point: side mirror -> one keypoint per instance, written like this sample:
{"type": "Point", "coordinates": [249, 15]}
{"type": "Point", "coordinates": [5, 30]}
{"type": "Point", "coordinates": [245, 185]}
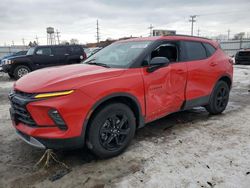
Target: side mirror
{"type": "Point", "coordinates": [157, 62]}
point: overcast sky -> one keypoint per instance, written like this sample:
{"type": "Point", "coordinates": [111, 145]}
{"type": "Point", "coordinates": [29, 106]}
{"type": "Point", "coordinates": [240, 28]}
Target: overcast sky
{"type": "Point", "coordinates": [117, 18]}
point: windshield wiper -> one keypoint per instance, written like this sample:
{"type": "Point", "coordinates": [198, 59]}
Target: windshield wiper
{"type": "Point", "coordinates": [92, 62]}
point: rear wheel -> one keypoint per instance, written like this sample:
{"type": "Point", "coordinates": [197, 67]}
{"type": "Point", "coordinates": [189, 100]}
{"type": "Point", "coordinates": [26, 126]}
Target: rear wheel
{"type": "Point", "coordinates": [219, 98]}
{"type": "Point", "coordinates": [111, 130]}
{"type": "Point", "coordinates": [20, 71]}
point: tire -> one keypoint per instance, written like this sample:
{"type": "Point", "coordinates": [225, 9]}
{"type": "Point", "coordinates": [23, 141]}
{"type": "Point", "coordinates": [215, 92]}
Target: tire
{"type": "Point", "coordinates": [111, 130]}
{"type": "Point", "coordinates": [20, 71]}
{"type": "Point", "coordinates": [219, 98]}
{"type": "Point", "coordinates": [11, 75]}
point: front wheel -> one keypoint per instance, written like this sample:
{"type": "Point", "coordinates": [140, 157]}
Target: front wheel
{"type": "Point", "coordinates": [20, 71]}
{"type": "Point", "coordinates": [11, 75]}
{"type": "Point", "coordinates": [111, 130]}
{"type": "Point", "coordinates": [219, 98]}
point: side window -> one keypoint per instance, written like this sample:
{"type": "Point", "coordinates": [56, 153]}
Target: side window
{"type": "Point", "coordinates": [168, 50]}
{"type": "Point", "coordinates": [60, 51]}
{"type": "Point", "coordinates": [195, 51]}
{"type": "Point", "coordinates": [75, 50]}
{"type": "Point", "coordinates": [210, 49]}
{"type": "Point", "coordinates": [44, 51]}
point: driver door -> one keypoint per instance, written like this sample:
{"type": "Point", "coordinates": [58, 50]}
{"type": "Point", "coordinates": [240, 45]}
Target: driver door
{"type": "Point", "coordinates": [165, 87]}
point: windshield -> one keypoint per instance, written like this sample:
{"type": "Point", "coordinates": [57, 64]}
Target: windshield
{"type": "Point", "coordinates": [30, 51]}
{"type": "Point", "coordinates": [119, 55]}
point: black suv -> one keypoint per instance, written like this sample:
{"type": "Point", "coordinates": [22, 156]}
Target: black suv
{"type": "Point", "coordinates": [43, 56]}
{"type": "Point", "coordinates": [243, 57]}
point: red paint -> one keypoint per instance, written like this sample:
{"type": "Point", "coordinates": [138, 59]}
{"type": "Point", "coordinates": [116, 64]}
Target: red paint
{"type": "Point", "coordinates": [158, 93]}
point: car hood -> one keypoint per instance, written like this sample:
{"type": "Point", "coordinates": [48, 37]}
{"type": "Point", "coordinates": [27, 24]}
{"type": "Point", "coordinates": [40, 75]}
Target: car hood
{"type": "Point", "coordinates": [64, 78]}
{"type": "Point", "coordinates": [16, 57]}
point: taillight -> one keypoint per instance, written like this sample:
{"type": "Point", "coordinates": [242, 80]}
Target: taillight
{"type": "Point", "coordinates": [84, 55]}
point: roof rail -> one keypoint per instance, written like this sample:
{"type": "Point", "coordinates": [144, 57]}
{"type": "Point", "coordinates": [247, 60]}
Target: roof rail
{"type": "Point", "coordinates": [188, 36]}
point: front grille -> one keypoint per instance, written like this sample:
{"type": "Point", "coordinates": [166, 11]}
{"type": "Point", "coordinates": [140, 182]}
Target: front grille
{"type": "Point", "coordinates": [18, 104]}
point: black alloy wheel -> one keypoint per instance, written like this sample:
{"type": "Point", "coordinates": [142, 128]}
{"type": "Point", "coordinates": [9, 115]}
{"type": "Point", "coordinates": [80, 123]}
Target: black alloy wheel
{"type": "Point", "coordinates": [219, 98]}
{"type": "Point", "coordinates": [111, 130]}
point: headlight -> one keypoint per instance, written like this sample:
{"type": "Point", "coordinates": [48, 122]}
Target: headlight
{"type": "Point", "coordinates": [53, 94]}
{"type": "Point", "coordinates": [7, 62]}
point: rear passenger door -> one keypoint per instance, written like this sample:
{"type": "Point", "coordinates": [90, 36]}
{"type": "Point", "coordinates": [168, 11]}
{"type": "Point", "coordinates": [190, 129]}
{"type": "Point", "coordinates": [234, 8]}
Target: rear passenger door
{"type": "Point", "coordinates": [76, 54]}
{"type": "Point", "coordinates": [61, 53]}
{"type": "Point", "coordinates": [201, 73]}
{"type": "Point", "coordinates": [43, 57]}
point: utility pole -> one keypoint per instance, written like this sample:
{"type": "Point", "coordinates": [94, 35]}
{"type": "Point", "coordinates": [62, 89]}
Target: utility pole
{"type": "Point", "coordinates": [13, 44]}
{"type": "Point", "coordinates": [151, 30]}
{"type": "Point", "coordinates": [23, 41]}
{"type": "Point", "coordinates": [198, 32]}
{"type": "Point", "coordinates": [192, 20]}
{"type": "Point", "coordinates": [58, 36]}
{"type": "Point", "coordinates": [97, 32]}
{"type": "Point", "coordinates": [228, 34]}
{"type": "Point", "coordinates": [36, 39]}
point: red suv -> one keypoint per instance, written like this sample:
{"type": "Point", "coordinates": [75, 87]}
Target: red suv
{"type": "Point", "coordinates": [102, 101]}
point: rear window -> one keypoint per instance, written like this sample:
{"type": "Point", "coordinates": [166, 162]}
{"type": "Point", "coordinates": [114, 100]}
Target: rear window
{"type": "Point", "coordinates": [210, 49]}
{"type": "Point", "coordinates": [76, 50]}
{"type": "Point", "coordinates": [195, 51]}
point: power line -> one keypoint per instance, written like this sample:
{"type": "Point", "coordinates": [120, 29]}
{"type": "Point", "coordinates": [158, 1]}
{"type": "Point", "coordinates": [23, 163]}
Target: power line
{"type": "Point", "coordinates": [97, 32]}
{"type": "Point", "coordinates": [228, 34]}
{"type": "Point", "coordinates": [58, 36]}
{"type": "Point", "coordinates": [36, 39]}
{"type": "Point", "coordinates": [192, 20]}
{"type": "Point", "coordinates": [23, 40]}
{"type": "Point", "coordinates": [198, 32]}
{"type": "Point", "coordinates": [151, 30]}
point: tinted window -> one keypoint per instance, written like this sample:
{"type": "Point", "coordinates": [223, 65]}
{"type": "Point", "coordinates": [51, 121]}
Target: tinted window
{"type": "Point", "coordinates": [75, 50]}
{"type": "Point", "coordinates": [43, 51]}
{"type": "Point", "coordinates": [210, 49]}
{"type": "Point", "coordinates": [60, 51]}
{"type": "Point", "coordinates": [119, 54]}
{"type": "Point", "coordinates": [195, 51]}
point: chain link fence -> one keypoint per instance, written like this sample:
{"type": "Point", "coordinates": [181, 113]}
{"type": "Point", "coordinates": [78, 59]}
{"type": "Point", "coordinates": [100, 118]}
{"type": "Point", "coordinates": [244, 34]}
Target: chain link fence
{"type": "Point", "coordinates": [232, 46]}
{"type": "Point", "coordinates": [7, 50]}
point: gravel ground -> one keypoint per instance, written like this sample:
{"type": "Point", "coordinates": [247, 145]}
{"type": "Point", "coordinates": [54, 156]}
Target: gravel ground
{"type": "Point", "coordinates": [185, 149]}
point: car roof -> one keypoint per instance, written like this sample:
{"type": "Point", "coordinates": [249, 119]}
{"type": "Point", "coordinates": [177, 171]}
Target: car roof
{"type": "Point", "coordinates": [174, 37]}
{"type": "Point", "coordinates": [52, 46]}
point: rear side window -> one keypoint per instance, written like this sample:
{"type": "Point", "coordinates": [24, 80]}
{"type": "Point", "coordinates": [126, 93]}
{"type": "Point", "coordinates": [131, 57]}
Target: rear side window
{"type": "Point", "coordinates": [195, 51]}
{"type": "Point", "coordinates": [210, 49]}
{"type": "Point", "coordinates": [60, 51]}
{"type": "Point", "coordinates": [44, 51]}
{"type": "Point", "coordinates": [75, 50]}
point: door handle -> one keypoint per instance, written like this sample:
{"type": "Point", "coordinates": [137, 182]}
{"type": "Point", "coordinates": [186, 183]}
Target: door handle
{"type": "Point", "coordinates": [213, 64]}
{"type": "Point", "coordinates": [66, 54]}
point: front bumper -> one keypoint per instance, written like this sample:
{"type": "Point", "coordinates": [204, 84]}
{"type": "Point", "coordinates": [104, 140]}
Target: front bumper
{"type": "Point", "coordinates": [43, 143]}
{"type": "Point", "coordinates": [6, 68]}
{"type": "Point", "coordinates": [37, 128]}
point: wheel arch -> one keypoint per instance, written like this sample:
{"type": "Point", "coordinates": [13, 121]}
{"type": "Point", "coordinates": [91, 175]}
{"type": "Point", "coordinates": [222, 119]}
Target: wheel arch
{"type": "Point", "coordinates": [226, 78]}
{"type": "Point", "coordinates": [124, 98]}
{"type": "Point", "coordinates": [21, 63]}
